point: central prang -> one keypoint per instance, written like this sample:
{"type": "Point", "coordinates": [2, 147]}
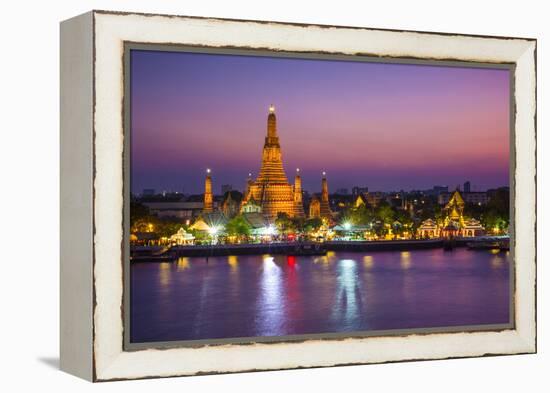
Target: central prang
{"type": "Point", "coordinates": [271, 189]}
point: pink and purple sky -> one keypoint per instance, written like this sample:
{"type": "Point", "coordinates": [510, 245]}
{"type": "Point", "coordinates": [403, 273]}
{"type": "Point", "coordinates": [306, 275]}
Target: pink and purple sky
{"type": "Point", "coordinates": [385, 126]}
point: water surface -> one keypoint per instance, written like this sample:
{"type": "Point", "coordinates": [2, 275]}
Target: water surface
{"type": "Point", "coordinates": [251, 296]}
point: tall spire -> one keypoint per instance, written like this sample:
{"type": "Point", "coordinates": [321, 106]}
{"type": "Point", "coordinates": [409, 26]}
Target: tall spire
{"type": "Point", "coordinates": [298, 205]}
{"type": "Point", "coordinates": [272, 170]}
{"type": "Point", "coordinates": [208, 198]}
{"type": "Point", "coordinates": [325, 206]}
{"type": "Point", "coordinates": [272, 126]}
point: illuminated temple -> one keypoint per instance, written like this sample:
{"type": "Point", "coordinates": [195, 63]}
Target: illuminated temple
{"type": "Point", "coordinates": [271, 189]}
{"type": "Point", "coordinates": [454, 223]}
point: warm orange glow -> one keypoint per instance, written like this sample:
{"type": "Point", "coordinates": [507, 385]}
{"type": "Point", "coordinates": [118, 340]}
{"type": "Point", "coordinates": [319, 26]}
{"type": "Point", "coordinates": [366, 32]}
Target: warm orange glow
{"type": "Point", "coordinates": [367, 261]}
{"type": "Point", "coordinates": [182, 263]}
{"type": "Point", "coordinates": [233, 261]}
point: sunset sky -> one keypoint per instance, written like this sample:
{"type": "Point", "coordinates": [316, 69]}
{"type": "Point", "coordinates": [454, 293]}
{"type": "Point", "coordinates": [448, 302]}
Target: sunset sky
{"type": "Point", "coordinates": [385, 126]}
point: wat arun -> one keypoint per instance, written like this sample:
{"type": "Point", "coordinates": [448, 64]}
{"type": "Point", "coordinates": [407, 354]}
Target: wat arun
{"type": "Point", "coordinates": [271, 189]}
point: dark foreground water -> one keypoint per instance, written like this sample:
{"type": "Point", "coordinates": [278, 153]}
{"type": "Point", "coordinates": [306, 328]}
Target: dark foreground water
{"type": "Point", "coordinates": [246, 296]}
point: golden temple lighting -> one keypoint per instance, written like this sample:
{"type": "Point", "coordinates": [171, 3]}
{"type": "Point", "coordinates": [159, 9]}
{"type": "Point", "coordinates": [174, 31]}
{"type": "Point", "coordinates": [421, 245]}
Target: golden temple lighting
{"type": "Point", "coordinates": [271, 189]}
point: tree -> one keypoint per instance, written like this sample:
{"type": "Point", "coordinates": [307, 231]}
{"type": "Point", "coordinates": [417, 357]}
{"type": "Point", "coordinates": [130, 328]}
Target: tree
{"type": "Point", "coordinates": [385, 213]}
{"type": "Point", "coordinates": [299, 224]}
{"type": "Point", "coordinates": [166, 228]}
{"type": "Point", "coordinates": [313, 224]}
{"type": "Point", "coordinates": [238, 226]}
{"type": "Point", "coordinates": [138, 211]}
{"type": "Point", "coordinates": [284, 223]}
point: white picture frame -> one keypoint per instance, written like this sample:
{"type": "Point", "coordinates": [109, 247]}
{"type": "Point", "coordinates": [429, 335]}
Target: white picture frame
{"type": "Point", "coordinates": [92, 194]}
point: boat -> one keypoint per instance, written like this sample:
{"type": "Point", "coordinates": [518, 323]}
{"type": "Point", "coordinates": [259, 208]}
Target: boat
{"type": "Point", "coordinates": [152, 254]}
{"type": "Point", "coordinates": [152, 258]}
{"type": "Point", "coordinates": [449, 244]}
{"type": "Point", "coordinates": [490, 244]}
{"type": "Point", "coordinates": [308, 249]}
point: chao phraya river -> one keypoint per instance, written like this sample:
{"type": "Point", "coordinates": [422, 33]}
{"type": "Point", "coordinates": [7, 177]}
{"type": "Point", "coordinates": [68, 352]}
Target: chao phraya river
{"type": "Point", "coordinates": [255, 295]}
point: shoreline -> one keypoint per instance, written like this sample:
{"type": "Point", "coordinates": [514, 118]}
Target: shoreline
{"type": "Point", "coordinates": [155, 253]}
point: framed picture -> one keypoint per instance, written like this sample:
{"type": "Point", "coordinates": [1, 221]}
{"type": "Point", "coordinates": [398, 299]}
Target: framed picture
{"type": "Point", "coordinates": [247, 195]}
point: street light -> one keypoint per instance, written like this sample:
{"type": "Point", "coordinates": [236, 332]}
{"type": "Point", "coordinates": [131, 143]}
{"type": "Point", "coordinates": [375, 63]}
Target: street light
{"type": "Point", "coordinates": [347, 227]}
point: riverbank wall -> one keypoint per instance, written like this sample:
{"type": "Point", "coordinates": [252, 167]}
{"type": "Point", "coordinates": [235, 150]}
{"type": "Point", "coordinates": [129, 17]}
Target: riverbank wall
{"type": "Point", "coordinates": [291, 248]}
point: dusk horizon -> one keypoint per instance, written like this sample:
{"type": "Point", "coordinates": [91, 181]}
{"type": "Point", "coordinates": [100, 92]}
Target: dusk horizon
{"type": "Point", "coordinates": [388, 127]}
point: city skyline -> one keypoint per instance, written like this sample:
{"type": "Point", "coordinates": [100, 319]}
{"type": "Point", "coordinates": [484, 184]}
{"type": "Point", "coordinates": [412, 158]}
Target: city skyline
{"type": "Point", "coordinates": [218, 189]}
{"type": "Point", "coordinates": [390, 127]}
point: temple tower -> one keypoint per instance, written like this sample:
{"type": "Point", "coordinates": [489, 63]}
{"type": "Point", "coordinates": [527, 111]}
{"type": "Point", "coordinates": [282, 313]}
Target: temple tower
{"type": "Point", "coordinates": [454, 209]}
{"type": "Point", "coordinates": [272, 170]}
{"type": "Point", "coordinates": [325, 206]}
{"type": "Point", "coordinates": [298, 204]}
{"type": "Point", "coordinates": [249, 183]}
{"type": "Point", "coordinates": [208, 198]}
{"type": "Point", "coordinates": [271, 188]}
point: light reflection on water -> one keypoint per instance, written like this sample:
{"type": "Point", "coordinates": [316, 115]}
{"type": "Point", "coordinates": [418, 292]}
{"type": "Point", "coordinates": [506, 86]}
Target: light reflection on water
{"type": "Point", "coordinates": [345, 309]}
{"type": "Point", "coordinates": [182, 263]}
{"type": "Point", "coordinates": [368, 261]}
{"type": "Point", "coordinates": [405, 259]}
{"type": "Point", "coordinates": [267, 295]}
{"type": "Point", "coordinates": [233, 261]}
{"type": "Point", "coordinates": [269, 309]}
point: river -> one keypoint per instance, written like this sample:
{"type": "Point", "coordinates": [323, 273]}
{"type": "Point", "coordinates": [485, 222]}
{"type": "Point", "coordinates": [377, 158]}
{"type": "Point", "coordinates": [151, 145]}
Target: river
{"type": "Point", "coordinates": [257, 296]}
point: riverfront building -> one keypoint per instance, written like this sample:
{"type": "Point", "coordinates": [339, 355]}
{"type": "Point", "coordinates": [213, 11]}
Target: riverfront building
{"type": "Point", "coordinates": [454, 223]}
{"type": "Point", "coordinates": [475, 197]}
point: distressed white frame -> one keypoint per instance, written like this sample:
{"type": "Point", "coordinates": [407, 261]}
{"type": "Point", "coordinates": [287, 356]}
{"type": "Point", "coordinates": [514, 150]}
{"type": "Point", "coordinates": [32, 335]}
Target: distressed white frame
{"type": "Point", "coordinates": [111, 30]}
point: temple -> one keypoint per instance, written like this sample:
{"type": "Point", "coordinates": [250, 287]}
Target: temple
{"type": "Point", "coordinates": [271, 189]}
{"type": "Point", "coordinates": [453, 224]}
{"type": "Point", "coordinates": [454, 210]}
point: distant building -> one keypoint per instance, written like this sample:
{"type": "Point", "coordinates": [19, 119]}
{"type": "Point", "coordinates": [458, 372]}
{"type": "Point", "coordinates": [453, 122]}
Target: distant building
{"type": "Point", "coordinates": [148, 192]}
{"type": "Point", "coordinates": [231, 203]}
{"type": "Point", "coordinates": [454, 222]}
{"type": "Point", "coordinates": [437, 190]}
{"type": "Point", "coordinates": [371, 199]}
{"type": "Point", "coordinates": [226, 188]}
{"type": "Point", "coordinates": [494, 192]}
{"type": "Point", "coordinates": [315, 208]}
{"type": "Point", "coordinates": [342, 191]}
{"type": "Point", "coordinates": [251, 206]}
{"type": "Point", "coordinates": [355, 191]}
{"type": "Point", "coordinates": [467, 187]}
{"type": "Point", "coordinates": [208, 221]}
{"type": "Point", "coordinates": [374, 198]}
{"type": "Point", "coordinates": [257, 222]}
{"type": "Point", "coordinates": [183, 210]}
{"type": "Point", "coordinates": [181, 237]}
{"type": "Point", "coordinates": [477, 198]}
{"type": "Point", "coordinates": [428, 229]}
